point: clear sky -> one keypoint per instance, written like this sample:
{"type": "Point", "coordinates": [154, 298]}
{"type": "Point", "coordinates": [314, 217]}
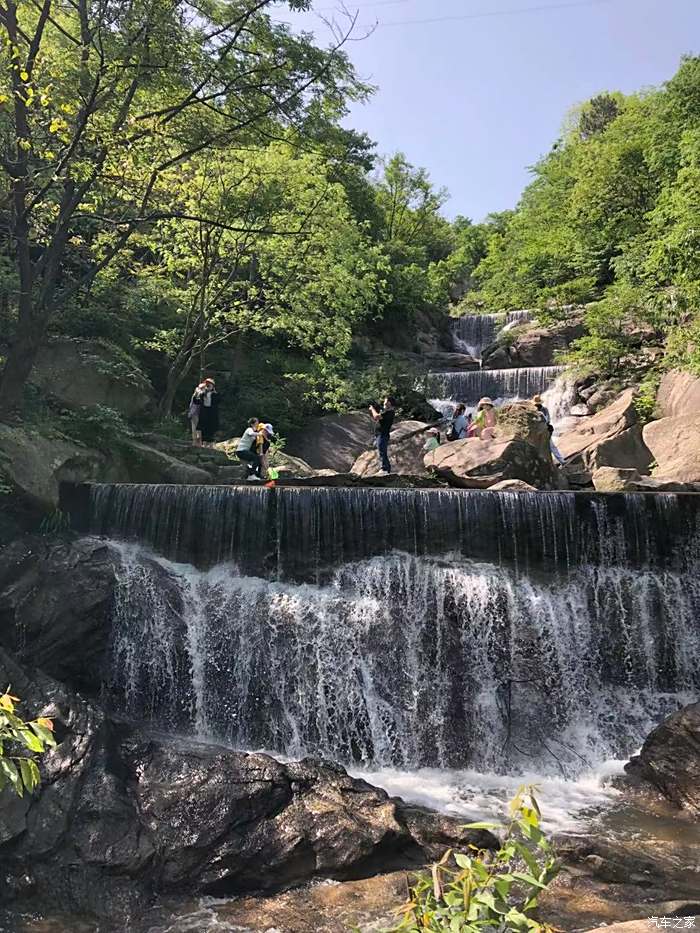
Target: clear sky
{"type": "Point", "coordinates": [478, 98]}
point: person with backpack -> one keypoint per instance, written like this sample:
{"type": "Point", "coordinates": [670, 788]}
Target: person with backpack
{"type": "Point", "coordinates": [460, 424]}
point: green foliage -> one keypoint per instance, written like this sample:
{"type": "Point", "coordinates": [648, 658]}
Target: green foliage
{"type": "Point", "coordinates": [465, 893]}
{"type": "Point", "coordinates": [20, 742]}
{"type": "Point", "coordinates": [612, 212]}
{"type": "Point", "coordinates": [94, 425]}
{"type": "Point", "coordinates": [645, 401]}
{"type": "Point", "coordinates": [54, 523]}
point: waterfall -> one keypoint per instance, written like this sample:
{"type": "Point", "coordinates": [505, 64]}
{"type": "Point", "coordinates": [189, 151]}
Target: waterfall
{"type": "Point", "coordinates": [408, 662]}
{"type": "Point", "coordinates": [499, 384]}
{"type": "Point", "coordinates": [302, 533]}
{"type": "Point", "coordinates": [473, 332]}
{"type": "Point", "coordinates": [403, 628]}
{"type": "Point", "coordinates": [518, 317]}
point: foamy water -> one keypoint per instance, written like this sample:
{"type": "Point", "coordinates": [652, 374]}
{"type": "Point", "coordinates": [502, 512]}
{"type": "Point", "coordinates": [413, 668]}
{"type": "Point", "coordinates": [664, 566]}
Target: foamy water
{"type": "Point", "coordinates": [567, 805]}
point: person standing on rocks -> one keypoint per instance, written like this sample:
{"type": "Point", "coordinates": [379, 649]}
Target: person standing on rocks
{"type": "Point", "coordinates": [209, 412]}
{"type": "Point", "coordinates": [384, 421]}
{"type": "Point", "coordinates": [544, 411]}
{"type": "Point", "coordinates": [541, 408]}
{"type": "Point", "coordinates": [193, 413]}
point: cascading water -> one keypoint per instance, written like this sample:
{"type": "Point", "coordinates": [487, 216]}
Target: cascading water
{"type": "Point", "coordinates": [500, 384]}
{"type": "Point", "coordinates": [405, 628]}
{"type": "Point", "coordinates": [471, 333]}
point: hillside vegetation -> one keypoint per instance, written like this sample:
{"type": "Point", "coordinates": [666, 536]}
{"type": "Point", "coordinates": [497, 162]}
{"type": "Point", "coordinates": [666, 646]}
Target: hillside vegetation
{"type": "Point", "coordinates": [177, 186]}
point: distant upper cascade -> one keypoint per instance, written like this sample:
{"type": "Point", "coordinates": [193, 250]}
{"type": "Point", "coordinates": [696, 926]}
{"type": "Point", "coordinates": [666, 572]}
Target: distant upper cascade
{"type": "Point", "coordinates": [498, 384]}
{"type": "Point", "coordinates": [472, 333]}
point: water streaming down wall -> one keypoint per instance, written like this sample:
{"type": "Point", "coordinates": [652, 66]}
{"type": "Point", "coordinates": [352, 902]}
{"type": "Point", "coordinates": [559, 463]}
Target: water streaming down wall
{"type": "Point", "coordinates": [498, 384]}
{"type": "Point", "coordinates": [518, 317]}
{"type": "Point", "coordinates": [409, 661]}
{"type": "Point", "coordinates": [473, 332]}
{"type": "Point", "coordinates": [299, 533]}
{"type": "Point", "coordinates": [404, 627]}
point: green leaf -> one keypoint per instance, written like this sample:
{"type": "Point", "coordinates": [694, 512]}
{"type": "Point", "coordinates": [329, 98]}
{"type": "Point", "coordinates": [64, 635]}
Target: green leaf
{"type": "Point", "coordinates": [463, 860]}
{"type": "Point", "coordinates": [29, 773]}
{"type": "Point", "coordinates": [31, 741]}
{"type": "Point", "coordinates": [528, 879]}
{"type": "Point", "coordinates": [10, 770]}
{"type": "Point", "coordinates": [43, 733]}
{"type": "Point", "coordinates": [481, 826]}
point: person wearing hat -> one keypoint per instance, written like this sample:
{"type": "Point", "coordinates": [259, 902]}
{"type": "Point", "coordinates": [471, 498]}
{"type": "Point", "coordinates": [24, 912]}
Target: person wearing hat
{"type": "Point", "coordinates": [486, 419]}
{"type": "Point", "coordinates": [266, 434]}
{"type": "Point", "coordinates": [541, 408]}
{"type": "Point", "coordinates": [433, 440]}
{"type": "Point", "coordinates": [209, 412]}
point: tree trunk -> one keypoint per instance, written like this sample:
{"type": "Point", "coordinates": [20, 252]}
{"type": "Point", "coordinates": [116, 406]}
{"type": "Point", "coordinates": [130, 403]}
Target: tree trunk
{"type": "Point", "coordinates": [176, 374]}
{"type": "Point", "coordinates": [19, 364]}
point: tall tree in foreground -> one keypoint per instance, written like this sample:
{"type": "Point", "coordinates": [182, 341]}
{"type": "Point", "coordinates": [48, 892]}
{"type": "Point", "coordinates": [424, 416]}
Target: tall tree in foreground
{"type": "Point", "coordinates": [103, 108]}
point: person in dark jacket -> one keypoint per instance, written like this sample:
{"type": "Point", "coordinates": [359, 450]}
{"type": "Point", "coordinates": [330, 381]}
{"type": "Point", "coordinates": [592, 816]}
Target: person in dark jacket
{"type": "Point", "coordinates": [384, 421]}
{"type": "Point", "coordinates": [209, 412]}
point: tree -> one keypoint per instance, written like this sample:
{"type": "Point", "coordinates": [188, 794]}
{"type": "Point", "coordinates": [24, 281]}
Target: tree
{"type": "Point", "coordinates": [19, 742]}
{"type": "Point", "coordinates": [104, 108]}
{"type": "Point", "coordinates": [309, 288]}
{"type": "Point", "coordinates": [597, 115]}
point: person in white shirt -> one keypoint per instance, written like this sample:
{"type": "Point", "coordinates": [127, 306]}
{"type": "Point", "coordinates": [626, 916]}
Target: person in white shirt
{"type": "Point", "coordinates": [247, 451]}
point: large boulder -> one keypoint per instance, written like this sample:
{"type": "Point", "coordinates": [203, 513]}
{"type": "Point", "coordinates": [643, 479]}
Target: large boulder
{"type": "Point", "coordinates": [614, 479]}
{"type": "Point", "coordinates": [611, 437]}
{"type": "Point", "coordinates": [55, 605]}
{"type": "Point", "coordinates": [142, 463]}
{"type": "Point", "coordinates": [531, 345]}
{"type": "Point", "coordinates": [82, 372]}
{"type": "Point", "coordinates": [33, 464]}
{"type": "Point", "coordinates": [670, 759]}
{"type": "Point", "coordinates": [675, 446]}
{"type": "Point", "coordinates": [121, 815]}
{"type": "Point", "coordinates": [405, 452]}
{"type": "Point", "coordinates": [520, 451]}
{"type": "Point", "coordinates": [332, 442]}
{"type": "Point", "coordinates": [477, 464]}
{"type": "Point", "coordinates": [679, 394]}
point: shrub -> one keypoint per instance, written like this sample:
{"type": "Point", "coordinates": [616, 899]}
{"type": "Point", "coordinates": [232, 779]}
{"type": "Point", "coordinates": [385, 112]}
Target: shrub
{"type": "Point", "coordinates": [19, 742]}
{"type": "Point", "coordinates": [487, 890]}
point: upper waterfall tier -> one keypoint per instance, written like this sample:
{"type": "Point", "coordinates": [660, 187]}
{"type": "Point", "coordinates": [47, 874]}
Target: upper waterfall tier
{"type": "Point", "coordinates": [472, 333]}
{"type": "Point", "coordinates": [301, 533]}
{"type": "Point", "coordinates": [498, 384]}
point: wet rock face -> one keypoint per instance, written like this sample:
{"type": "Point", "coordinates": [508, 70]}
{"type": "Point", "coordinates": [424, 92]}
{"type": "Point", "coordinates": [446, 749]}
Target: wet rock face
{"type": "Point", "coordinates": [121, 816]}
{"type": "Point", "coordinates": [55, 603]}
{"type": "Point", "coordinates": [670, 759]}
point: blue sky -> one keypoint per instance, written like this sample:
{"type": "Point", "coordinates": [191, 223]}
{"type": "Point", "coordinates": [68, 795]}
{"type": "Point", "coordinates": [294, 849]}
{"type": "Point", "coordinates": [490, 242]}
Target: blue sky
{"type": "Point", "coordinates": [477, 100]}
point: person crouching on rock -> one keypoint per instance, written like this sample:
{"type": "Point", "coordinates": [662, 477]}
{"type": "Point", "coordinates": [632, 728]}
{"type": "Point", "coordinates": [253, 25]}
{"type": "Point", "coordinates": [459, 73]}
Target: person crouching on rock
{"type": "Point", "coordinates": [209, 413]}
{"type": "Point", "coordinates": [384, 421]}
{"type": "Point", "coordinates": [486, 420]}
{"type": "Point", "coordinates": [247, 451]}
